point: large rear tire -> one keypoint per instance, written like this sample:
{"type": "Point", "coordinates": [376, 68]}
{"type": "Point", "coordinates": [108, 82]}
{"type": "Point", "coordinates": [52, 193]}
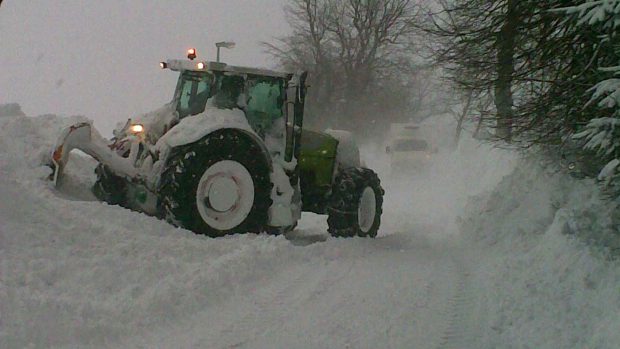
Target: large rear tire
{"type": "Point", "coordinates": [355, 204]}
{"type": "Point", "coordinates": [219, 185]}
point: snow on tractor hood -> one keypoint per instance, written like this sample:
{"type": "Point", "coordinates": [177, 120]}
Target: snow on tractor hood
{"type": "Point", "coordinates": [192, 128]}
{"type": "Point", "coordinates": [189, 129]}
{"type": "Point", "coordinates": [154, 122]}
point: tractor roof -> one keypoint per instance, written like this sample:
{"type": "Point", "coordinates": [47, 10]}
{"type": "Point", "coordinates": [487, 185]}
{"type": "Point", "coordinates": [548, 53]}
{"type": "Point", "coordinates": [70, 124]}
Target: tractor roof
{"type": "Point", "coordinates": [179, 65]}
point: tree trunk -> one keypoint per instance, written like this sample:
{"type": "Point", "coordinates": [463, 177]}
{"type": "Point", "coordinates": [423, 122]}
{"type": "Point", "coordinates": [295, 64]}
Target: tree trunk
{"type": "Point", "coordinates": [479, 126]}
{"type": "Point", "coordinates": [505, 70]}
{"type": "Point", "coordinates": [459, 126]}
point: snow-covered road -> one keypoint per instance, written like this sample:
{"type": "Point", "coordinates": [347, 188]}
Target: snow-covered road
{"type": "Point", "coordinates": [388, 294]}
{"type": "Point", "coordinates": [84, 273]}
{"type": "Point", "coordinates": [497, 273]}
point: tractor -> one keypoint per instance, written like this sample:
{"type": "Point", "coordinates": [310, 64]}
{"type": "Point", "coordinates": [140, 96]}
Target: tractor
{"type": "Point", "coordinates": [228, 155]}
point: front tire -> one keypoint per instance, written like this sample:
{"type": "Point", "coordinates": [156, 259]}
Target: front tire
{"type": "Point", "coordinates": [219, 185]}
{"type": "Point", "coordinates": [355, 205]}
{"type": "Point", "coordinates": [109, 187]}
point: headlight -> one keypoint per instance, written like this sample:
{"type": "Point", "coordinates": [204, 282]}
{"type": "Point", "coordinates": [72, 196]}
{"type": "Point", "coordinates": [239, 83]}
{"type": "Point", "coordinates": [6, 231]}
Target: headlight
{"type": "Point", "coordinates": [137, 128]}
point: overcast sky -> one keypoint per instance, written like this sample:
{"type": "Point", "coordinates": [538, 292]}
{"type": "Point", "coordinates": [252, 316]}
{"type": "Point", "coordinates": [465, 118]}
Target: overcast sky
{"type": "Point", "coordinates": [100, 58]}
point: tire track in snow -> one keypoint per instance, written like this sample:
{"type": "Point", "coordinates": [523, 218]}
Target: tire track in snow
{"type": "Point", "coordinates": [269, 302]}
{"type": "Point", "coordinates": [384, 293]}
{"type": "Point", "coordinates": [460, 333]}
{"type": "Point", "coordinates": [271, 307]}
{"type": "Point", "coordinates": [426, 317]}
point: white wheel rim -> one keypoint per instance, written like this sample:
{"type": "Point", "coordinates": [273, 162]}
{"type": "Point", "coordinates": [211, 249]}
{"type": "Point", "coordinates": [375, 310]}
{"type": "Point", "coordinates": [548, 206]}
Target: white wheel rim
{"type": "Point", "coordinates": [366, 210]}
{"type": "Point", "coordinates": [225, 195]}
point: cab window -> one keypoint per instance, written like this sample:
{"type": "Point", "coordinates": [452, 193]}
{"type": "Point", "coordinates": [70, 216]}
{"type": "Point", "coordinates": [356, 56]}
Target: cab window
{"type": "Point", "coordinates": [229, 88]}
{"type": "Point", "coordinates": [264, 103]}
{"type": "Point", "coordinates": [195, 89]}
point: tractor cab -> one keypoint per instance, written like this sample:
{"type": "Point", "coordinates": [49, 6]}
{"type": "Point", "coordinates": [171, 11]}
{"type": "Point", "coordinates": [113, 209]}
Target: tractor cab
{"type": "Point", "coordinates": [266, 97]}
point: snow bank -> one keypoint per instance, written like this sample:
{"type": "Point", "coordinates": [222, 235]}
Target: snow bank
{"type": "Point", "coordinates": [26, 144]}
{"type": "Point", "coordinates": [535, 242]}
{"type": "Point", "coordinates": [11, 109]}
{"type": "Point", "coordinates": [543, 277]}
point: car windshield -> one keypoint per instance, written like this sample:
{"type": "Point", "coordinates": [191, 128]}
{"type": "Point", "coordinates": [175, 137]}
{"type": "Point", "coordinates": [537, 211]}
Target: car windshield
{"type": "Point", "coordinates": [410, 145]}
{"type": "Point", "coordinates": [192, 92]}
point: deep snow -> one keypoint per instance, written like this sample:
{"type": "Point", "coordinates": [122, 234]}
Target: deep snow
{"type": "Point", "coordinates": [481, 250]}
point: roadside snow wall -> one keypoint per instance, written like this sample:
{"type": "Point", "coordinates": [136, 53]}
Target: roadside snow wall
{"type": "Point", "coordinates": [10, 110]}
{"type": "Point", "coordinates": [541, 248]}
{"type": "Point", "coordinates": [547, 278]}
{"type": "Point", "coordinates": [26, 144]}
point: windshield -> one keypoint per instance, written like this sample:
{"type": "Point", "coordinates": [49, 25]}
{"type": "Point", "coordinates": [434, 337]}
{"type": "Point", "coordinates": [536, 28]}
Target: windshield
{"type": "Point", "coordinates": [192, 92]}
{"type": "Point", "coordinates": [410, 145]}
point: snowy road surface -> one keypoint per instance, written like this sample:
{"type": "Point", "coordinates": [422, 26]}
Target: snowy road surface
{"type": "Point", "coordinates": [346, 296]}
{"type": "Point", "coordinates": [499, 273]}
{"type": "Point", "coordinates": [85, 273]}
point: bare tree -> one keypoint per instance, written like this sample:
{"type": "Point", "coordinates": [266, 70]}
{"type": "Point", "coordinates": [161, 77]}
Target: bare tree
{"type": "Point", "coordinates": [368, 34]}
{"type": "Point", "coordinates": [477, 41]}
{"type": "Point", "coordinates": [461, 118]}
{"type": "Point", "coordinates": [351, 48]}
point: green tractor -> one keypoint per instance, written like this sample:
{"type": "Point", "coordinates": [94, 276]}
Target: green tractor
{"type": "Point", "coordinates": [229, 155]}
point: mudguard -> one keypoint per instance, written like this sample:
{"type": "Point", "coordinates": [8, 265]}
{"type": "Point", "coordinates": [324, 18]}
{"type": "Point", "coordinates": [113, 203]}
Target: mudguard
{"type": "Point", "coordinates": [348, 153]}
{"type": "Point", "coordinates": [317, 162]}
{"type": "Point", "coordinates": [195, 127]}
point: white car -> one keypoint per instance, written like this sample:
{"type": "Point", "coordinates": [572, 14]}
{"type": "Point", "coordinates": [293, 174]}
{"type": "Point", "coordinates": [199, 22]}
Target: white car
{"type": "Point", "coordinates": [409, 153]}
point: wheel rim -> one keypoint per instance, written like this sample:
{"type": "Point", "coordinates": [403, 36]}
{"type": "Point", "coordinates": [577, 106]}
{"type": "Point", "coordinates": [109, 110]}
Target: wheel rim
{"type": "Point", "coordinates": [366, 210]}
{"type": "Point", "coordinates": [225, 195]}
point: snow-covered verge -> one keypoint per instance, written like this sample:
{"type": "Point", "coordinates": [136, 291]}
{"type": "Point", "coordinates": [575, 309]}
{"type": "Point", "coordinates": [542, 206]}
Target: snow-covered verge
{"type": "Point", "coordinates": [539, 246]}
{"type": "Point", "coordinates": [548, 276]}
{"type": "Point", "coordinates": [32, 140]}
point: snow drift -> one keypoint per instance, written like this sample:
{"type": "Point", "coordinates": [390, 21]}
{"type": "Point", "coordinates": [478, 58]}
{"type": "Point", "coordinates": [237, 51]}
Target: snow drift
{"type": "Point", "coordinates": [548, 277]}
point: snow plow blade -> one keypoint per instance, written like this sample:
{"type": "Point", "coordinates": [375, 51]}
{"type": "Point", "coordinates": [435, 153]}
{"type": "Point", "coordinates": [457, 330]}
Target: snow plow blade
{"type": "Point", "coordinates": [84, 137]}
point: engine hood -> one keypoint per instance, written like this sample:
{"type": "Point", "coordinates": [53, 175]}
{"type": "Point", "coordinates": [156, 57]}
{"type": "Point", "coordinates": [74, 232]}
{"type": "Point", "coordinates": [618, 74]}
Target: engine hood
{"type": "Point", "coordinates": [155, 123]}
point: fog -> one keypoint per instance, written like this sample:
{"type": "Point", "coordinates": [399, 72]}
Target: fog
{"type": "Point", "coordinates": [100, 58]}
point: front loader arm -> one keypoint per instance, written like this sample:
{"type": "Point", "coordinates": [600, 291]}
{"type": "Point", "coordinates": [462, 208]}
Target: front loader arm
{"type": "Point", "coordinates": [84, 137]}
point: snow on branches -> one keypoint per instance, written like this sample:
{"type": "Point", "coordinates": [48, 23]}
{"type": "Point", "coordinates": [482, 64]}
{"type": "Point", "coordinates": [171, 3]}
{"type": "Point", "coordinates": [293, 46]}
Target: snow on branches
{"type": "Point", "coordinates": [603, 134]}
{"type": "Point", "coordinates": [597, 11]}
{"type": "Point", "coordinates": [608, 92]}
